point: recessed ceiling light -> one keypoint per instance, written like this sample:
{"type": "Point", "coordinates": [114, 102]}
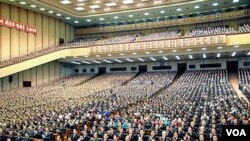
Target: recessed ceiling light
{"type": "Point", "coordinates": [204, 56]}
{"type": "Point", "coordinates": [134, 53]}
{"type": "Point", "coordinates": [81, 0]}
{"type": "Point", "coordinates": [127, 1]}
{"type": "Point", "coordinates": [42, 9]}
{"type": "Point", "coordinates": [75, 57]}
{"type": "Point", "coordinates": [218, 55]}
{"type": "Point", "coordinates": [121, 54]}
{"type": "Point", "coordinates": [58, 14]}
{"type": "Point", "coordinates": [65, 1]}
{"type": "Point", "coordinates": [22, 2]}
{"type": "Point", "coordinates": [109, 54]}
{"type": "Point", "coordinates": [74, 62]}
{"type": "Point", "coordinates": [76, 21]}
{"type": "Point", "coordinates": [86, 56]}
{"type": "Point", "coordinates": [12, 0]}
{"type": "Point", "coordinates": [33, 6]}
{"type": "Point", "coordinates": [117, 60]}
{"type": "Point", "coordinates": [147, 52]}
{"type": "Point", "coordinates": [189, 50]}
{"type": "Point", "coordinates": [160, 51]}
{"type": "Point", "coordinates": [146, 14]}
{"type": "Point", "coordinates": [86, 62]}
{"type": "Point", "coordinates": [96, 61]}
{"type": "Point", "coordinates": [101, 19]}
{"type": "Point", "coordinates": [88, 20]}
{"type": "Point", "coordinates": [152, 58]}
{"type": "Point", "coordinates": [162, 11]}
{"type": "Point", "coordinates": [141, 59]}
{"type": "Point", "coordinates": [130, 16]}
{"type": "Point", "coordinates": [236, 46]}
{"type": "Point", "coordinates": [116, 17]}
{"type": "Point", "coordinates": [94, 6]}
{"type": "Point", "coordinates": [233, 54]}
{"type": "Point", "coordinates": [129, 60]}
{"type": "Point", "coordinates": [248, 53]}
{"type": "Point", "coordinates": [68, 18]}
{"type": "Point", "coordinates": [204, 49]}
{"type": "Point", "coordinates": [107, 61]}
{"type": "Point", "coordinates": [178, 9]}
{"type": "Point", "coordinates": [235, 1]}
{"type": "Point", "coordinates": [110, 4]}
{"type": "Point", "coordinates": [97, 55]}
{"type": "Point", "coordinates": [196, 7]}
{"type": "Point", "coordinates": [178, 58]}
{"type": "Point", "coordinates": [51, 12]}
{"type": "Point", "coordinates": [79, 8]}
{"type": "Point", "coordinates": [165, 58]}
{"type": "Point", "coordinates": [174, 50]}
{"type": "Point", "coordinates": [190, 56]}
{"type": "Point", "coordinates": [219, 47]}
{"type": "Point", "coordinates": [215, 4]}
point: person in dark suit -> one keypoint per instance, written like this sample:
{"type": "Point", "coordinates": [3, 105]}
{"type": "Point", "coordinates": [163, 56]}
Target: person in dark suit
{"type": "Point", "coordinates": [2, 136]}
{"type": "Point", "coordinates": [27, 137]}
{"type": "Point", "coordinates": [153, 136]}
{"type": "Point", "coordinates": [85, 136]}
{"type": "Point", "coordinates": [18, 137]}
{"type": "Point", "coordinates": [74, 136]}
{"type": "Point", "coordinates": [46, 136]}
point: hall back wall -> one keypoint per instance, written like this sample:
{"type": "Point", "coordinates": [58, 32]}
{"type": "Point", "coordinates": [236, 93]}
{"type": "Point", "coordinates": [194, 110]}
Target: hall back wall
{"type": "Point", "coordinates": [15, 43]}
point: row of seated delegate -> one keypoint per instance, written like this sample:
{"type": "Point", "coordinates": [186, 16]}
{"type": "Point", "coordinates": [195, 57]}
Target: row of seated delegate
{"type": "Point", "coordinates": [130, 38]}
{"type": "Point", "coordinates": [244, 81]}
{"type": "Point", "coordinates": [190, 109]}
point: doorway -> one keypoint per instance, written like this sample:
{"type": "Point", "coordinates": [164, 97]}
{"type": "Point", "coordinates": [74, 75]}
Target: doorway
{"type": "Point", "coordinates": [232, 66]}
{"type": "Point", "coordinates": [101, 70]}
{"type": "Point", "coordinates": [143, 68]}
{"type": "Point", "coordinates": [182, 67]}
{"type": "Point", "coordinates": [26, 84]}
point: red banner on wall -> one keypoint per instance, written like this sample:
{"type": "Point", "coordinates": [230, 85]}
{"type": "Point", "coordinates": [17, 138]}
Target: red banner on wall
{"type": "Point", "coordinates": [18, 26]}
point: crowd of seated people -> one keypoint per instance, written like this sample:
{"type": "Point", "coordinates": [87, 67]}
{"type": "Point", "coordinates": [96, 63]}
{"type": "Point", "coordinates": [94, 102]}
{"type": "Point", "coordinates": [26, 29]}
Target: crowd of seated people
{"type": "Point", "coordinates": [160, 35]}
{"type": "Point", "coordinates": [244, 80]}
{"type": "Point", "coordinates": [39, 110]}
{"type": "Point", "coordinates": [244, 28]}
{"type": "Point", "coordinates": [10, 61]}
{"type": "Point", "coordinates": [80, 43]}
{"type": "Point", "coordinates": [208, 31]}
{"type": "Point", "coordinates": [194, 108]}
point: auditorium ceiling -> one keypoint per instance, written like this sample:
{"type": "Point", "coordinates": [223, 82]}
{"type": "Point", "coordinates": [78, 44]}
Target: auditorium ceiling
{"type": "Point", "coordinates": [110, 12]}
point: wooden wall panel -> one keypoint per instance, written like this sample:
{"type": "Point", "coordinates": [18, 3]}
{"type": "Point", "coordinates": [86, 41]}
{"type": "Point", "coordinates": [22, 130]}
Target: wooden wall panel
{"type": "Point", "coordinates": [31, 37]}
{"type": "Point", "coordinates": [39, 75]}
{"type": "Point", "coordinates": [14, 83]}
{"type": "Point", "coordinates": [6, 84]}
{"type": "Point", "coordinates": [52, 32]}
{"type": "Point", "coordinates": [45, 73]}
{"type": "Point", "coordinates": [1, 84]}
{"type": "Point", "coordinates": [39, 44]}
{"type": "Point", "coordinates": [20, 79]}
{"type": "Point", "coordinates": [23, 35]}
{"type": "Point", "coordinates": [15, 36]}
{"type": "Point", "coordinates": [62, 32]}
{"type": "Point", "coordinates": [33, 77]}
{"type": "Point", "coordinates": [52, 71]}
{"type": "Point", "coordinates": [45, 31]}
{"type": "Point", "coordinates": [57, 70]}
{"type": "Point", "coordinates": [27, 75]}
{"type": "Point", "coordinates": [5, 33]}
{"type": "Point", "coordinates": [67, 36]}
{"type": "Point", "coordinates": [58, 30]}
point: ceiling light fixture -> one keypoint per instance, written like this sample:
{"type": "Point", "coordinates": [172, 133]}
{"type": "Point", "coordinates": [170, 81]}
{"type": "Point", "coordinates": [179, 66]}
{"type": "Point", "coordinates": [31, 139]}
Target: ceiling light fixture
{"type": "Point", "coordinates": [233, 54]}
{"type": "Point", "coordinates": [178, 58]}
{"type": "Point", "coordinates": [129, 60]}
{"type": "Point", "coordinates": [190, 57]}
{"type": "Point", "coordinates": [218, 55]}
{"type": "Point", "coordinates": [165, 58]}
{"type": "Point", "coordinates": [86, 62]}
{"type": "Point", "coordinates": [152, 58]}
{"type": "Point", "coordinates": [141, 59]}
{"type": "Point", "coordinates": [117, 60]}
{"type": "Point", "coordinates": [107, 61]}
{"type": "Point", "coordinates": [96, 61]}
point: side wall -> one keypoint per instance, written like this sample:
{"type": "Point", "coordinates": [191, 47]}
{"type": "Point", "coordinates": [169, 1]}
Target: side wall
{"type": "Point", "coordinates": [14, 43]}
{"type": "Point", "coordinates": [39, 75]}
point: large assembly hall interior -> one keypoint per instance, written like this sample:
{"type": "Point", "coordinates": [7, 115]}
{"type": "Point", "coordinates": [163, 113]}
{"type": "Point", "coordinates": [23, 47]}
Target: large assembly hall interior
{"type": "Point", "coordinates": [124, 70]}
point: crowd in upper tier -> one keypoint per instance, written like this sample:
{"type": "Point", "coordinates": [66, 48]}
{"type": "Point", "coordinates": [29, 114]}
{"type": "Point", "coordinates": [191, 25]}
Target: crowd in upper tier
{"type": "Point", "coordinates": [244, 81]}
{"type": "Point", "coordinates": [121, 38]}
{"type": "Point", "coordinates": [146, 108]}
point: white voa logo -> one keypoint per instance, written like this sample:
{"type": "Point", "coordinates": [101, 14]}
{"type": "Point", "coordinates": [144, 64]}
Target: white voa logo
{"type": "Point", "coordinates": [236, 132]}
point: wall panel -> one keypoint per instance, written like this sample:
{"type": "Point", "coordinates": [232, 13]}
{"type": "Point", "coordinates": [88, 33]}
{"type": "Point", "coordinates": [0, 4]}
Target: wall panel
{"type": "Point", "coordinates": [52, 32]}
{"type": "Point", "coordinates": [15, 36]}
{"type": "Point", "coordinates": [27, 75]}
{"type": "Point", "coordinates": [45, 31]}
{"type": "Point", "coordinates": [45, 73]}
{"type": "Point", "coordinates": [14, 83]}
{"type": "Point", "coordinates": [5, 33]}
{"type": "Point", "coordinates": [39, 35]}
{"type": "Point", "coordinates": [39, 75]}
{"type": "Point", "coordinates": [51, 71]}
{"type": "Point", "coordinates": [31, 37]}
{"type": "Point", "coordinates": [23, 35]}
{"type": "Point", "coordinates": [33, 77]}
